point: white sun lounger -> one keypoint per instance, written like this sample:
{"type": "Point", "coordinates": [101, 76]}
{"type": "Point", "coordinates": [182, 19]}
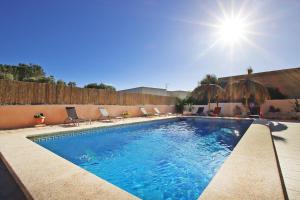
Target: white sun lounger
{"type": "Point", "coordinates": [144, 111]}
{"type": "Point", "coordinates": [105, 115]}
{"type": "Point", "coordinates": [157, 112]}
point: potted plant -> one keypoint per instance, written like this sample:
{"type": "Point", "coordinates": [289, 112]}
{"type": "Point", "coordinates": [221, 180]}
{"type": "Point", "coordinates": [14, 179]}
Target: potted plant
{"type": "Point", "coordinates": [39, 118]}
{"type": "Point", "coordinates": [125, 114]}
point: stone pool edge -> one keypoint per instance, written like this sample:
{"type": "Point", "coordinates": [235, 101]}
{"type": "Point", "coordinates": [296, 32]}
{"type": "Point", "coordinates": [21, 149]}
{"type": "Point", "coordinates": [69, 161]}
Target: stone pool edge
{"type": "Point", "coordinates": [250, 172]}
{"type": "Point", "coordinates": [37, 168]}
{"type": "Point", "coordinates": [42, 174]}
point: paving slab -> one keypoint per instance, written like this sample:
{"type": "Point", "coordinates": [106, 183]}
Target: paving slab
{"type": "Point", "coordinates": [45, 175]}
{"type": "Point", "coordinates": [250, 172]}
{"type": "Point", "coordinates": [287, 143]}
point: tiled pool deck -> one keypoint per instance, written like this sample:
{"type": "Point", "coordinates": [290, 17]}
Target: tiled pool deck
{"type": "Point", "coordinates": [286, 137]}
{"type": "Point", "coordinates": [250, 172]}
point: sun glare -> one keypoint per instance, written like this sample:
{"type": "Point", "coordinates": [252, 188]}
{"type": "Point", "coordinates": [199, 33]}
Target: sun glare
{"type": "Point", "coordinates": [233, 26]}
{"type": "Point", "coordinates": [231, 31]}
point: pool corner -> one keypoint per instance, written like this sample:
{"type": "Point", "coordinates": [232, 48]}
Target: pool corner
{"type": "Point", "coordinates": [250, 172]}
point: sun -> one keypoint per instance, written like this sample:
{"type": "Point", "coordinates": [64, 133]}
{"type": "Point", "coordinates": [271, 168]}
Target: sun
{"type": "Point", "coordinates": [232, 30]}
{"type": "Point", "coordinates": [232, 26]}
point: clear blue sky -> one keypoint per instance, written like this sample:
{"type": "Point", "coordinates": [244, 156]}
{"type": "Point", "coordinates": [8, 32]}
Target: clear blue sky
{"type": "Point", "coordinates": [145, 42]}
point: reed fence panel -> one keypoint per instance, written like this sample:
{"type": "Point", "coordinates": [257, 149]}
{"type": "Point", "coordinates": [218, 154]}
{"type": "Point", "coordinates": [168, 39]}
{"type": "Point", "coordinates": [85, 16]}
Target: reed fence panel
{"type": "Point", "coordinates": [17, 92]}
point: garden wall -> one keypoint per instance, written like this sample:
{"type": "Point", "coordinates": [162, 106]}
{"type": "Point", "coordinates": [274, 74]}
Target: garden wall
{"type": "Point", "coordinates": [20, 116]}
{"type": "Point", "coordinates": [286, 107]}
{"type": "Point", "coordinates": [227, 108]}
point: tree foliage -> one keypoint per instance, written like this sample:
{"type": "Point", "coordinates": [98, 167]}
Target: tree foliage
{"type": "Point", "coordinates": [35, 73]}
{"type": "Point", "coordinates": [7, 76]}
{"type": "Point", "coordinates": [209, 92]}
{"type": "Point", "coordinates": [29, 73]}
{"type": "Point", "coordinates": [179, 105]}
{"type": "Point", "coordinates": [247, 90]}
{"type": "Point", "coordinates": [209, 79]}
{"type": "Point", "coordinates": [72, 84]}
{"type": "Point", "coordinates": [189, 100]}
{"type": "Point", "coordinates": [100, 86]}
{"type": "Point", "coordinates": [61, 82]}
{"type": "Point", "coordinates": [22, 71]}
{"type": "Point", "coordinates": [25, 72]}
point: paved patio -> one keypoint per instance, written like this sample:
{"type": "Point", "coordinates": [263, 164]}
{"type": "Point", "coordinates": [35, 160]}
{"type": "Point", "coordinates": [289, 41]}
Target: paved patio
{"type": "Point", "coordinates": [286, 136]}
{"type": "Point", "coordinates": [9, 189]}
{"type": "Point", "coordinates": [27, 159]}
{"type": "Point", "coordinates": [45, 175]}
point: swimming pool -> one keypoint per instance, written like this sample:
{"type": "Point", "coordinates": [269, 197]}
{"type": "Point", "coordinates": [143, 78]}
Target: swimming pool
{"type": "Point", "coordinates": [165, 159]}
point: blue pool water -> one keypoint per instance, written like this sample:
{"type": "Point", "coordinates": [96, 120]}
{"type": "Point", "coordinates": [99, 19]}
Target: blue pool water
{"type": "Point", "coordinates": [167, 159]}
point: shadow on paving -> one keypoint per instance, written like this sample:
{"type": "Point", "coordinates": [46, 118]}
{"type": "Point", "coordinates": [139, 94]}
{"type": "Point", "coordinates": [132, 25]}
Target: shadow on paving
{"type": "Point", "coordinates": [9, 189]}
{"type": "Point", "coordinates": [278, 138]}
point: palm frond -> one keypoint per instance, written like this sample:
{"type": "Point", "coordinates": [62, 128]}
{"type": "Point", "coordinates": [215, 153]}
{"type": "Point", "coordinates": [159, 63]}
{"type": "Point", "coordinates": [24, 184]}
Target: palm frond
{"type": "Point", "coordinates": [208, 91]}
{"type": "Point", "coordinates": [244, 89]}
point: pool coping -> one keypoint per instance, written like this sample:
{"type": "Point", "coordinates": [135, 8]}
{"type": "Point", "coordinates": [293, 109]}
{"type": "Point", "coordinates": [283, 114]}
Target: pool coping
{"type": "Point", "coordinates": [251, 171]}
{"type": "Point", "coordinates": [65, 180]}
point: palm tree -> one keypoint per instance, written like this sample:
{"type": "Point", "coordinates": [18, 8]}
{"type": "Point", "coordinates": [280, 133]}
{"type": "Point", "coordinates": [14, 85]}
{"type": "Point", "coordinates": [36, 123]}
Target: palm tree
{"type": "Point", "coordinates": [208, 90]}
{"type": "Point", "coordinates": [209, 79]}
{"type": "Point", "coordinates": [245, 89]}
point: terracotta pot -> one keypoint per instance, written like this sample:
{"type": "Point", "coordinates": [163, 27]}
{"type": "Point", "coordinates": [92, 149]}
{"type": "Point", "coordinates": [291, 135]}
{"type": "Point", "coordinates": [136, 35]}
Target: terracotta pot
{"type": "Point", "coordinates": [40, 120]}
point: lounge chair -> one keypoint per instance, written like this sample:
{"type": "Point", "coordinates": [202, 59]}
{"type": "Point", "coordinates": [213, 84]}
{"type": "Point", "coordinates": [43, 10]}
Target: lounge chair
{"type": "Point", "coordinates": [254, 112]}
{"type": "Point", "coordinates": [144, 111]}
{"type": "Point", "coordinates": [216, 112]}
{"type": "Point", "coordinates": [170, 114]}
{"type": "Point", "coordinates": [105, 115]}
{"type": "Point", "coordinates": [157, 112]}
{"type": "Point", "coordinates": [73, 117]}
{"type": "Point", "coordinates": [200, 111]}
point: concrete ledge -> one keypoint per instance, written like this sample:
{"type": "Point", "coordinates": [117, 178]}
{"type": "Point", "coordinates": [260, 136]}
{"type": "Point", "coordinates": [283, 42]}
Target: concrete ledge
{"type": "Point", "coordinates": [250, 172]}
{"type": "Point", "coordinates": [10, 188]}
{"type": "Point", "coordinates": [45, 175]}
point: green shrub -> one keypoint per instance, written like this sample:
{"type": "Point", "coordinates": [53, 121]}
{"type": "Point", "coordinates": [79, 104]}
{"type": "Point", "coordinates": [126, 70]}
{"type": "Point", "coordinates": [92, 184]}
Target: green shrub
{"type": "Point", "coordinates": [179, 105]}
{"type": "Point", "coordinates": [6, 76]}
